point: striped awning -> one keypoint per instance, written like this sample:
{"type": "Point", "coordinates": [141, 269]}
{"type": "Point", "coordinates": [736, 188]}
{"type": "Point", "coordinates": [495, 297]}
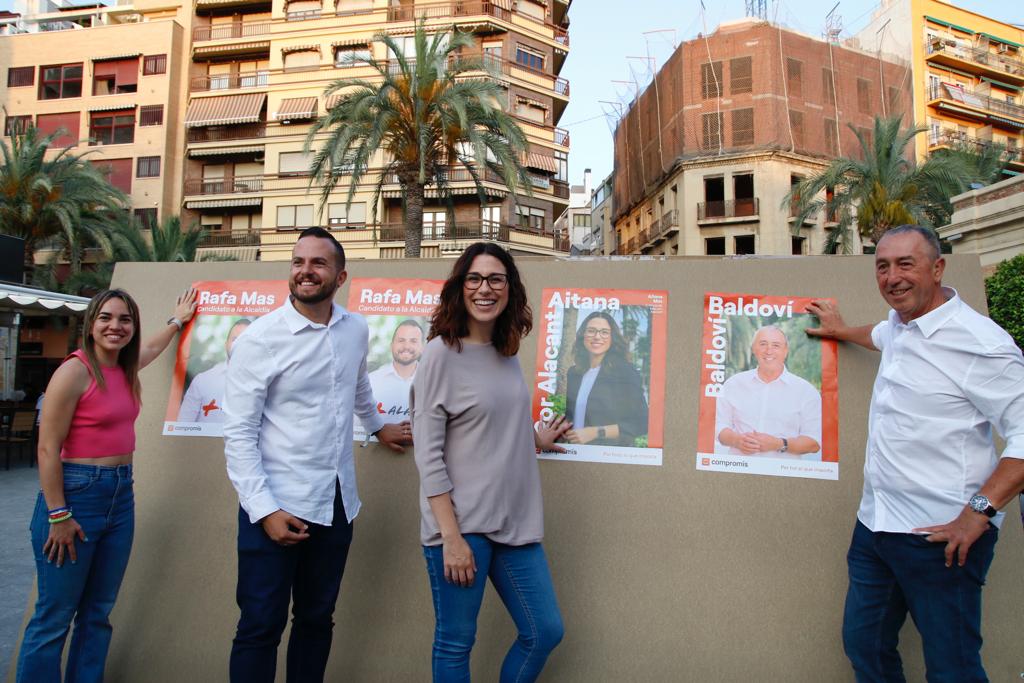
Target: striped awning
{"type": "Point", "coordinates": [232, 47]}
{"type": "Point", "coordinates": [223, 203]}
{"type": "Point", "coordinates": [531, 102]}
{"type": "Point", "coordinates": [109, 58]}
{"type": "Point", "coordinates": [1007, 122]}
{"type": "Point", "coordinates": [299, 48]}
{"type": "Point", "coordinates": [224, 110]}
{"type": "Point", "coordinates": [332, 101]}
{"type": "Point", "coordinates": [15, 297]}
{"type": "Point", "coordinates": [230, 253]}
{"type": "Point", "coordinates": [225, 151]}
{"type": "Point", "coordinates": [296, 109]}
{"type": "Point", "coordinates": [113, 107]}
{"type": "Point", "coordinates": [540, 162]}
{"type": "Point", "coordinates": [351, 42]}
{"type": "Point", "coordinates": [431, 192]}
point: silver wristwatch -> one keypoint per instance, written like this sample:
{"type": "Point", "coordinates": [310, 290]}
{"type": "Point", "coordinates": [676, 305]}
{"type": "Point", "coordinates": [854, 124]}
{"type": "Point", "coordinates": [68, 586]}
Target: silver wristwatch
{"type": "Point", "coordinates": [981, 504]}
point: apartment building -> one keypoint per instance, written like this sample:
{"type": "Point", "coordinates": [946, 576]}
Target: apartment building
{"type": "Point", "coordinates": [707, 153]}
{"type": "Point", "coordinates": [968, 74]}
{"type": "Point", "coordinates": [575, 220]}
{"type": "Point", "coordinates": [602, 229]}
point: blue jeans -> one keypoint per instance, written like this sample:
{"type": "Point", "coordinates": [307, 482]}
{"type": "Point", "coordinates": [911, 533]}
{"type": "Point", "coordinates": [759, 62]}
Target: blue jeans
{"type": "Point", "coordinates": [103, 503]}
{"type": "Point", "coordinates": [521, 577]}
{"type": "Point", "coordinates": [269, 577]}
{"type": "Point", "coordinates": [891, 574]}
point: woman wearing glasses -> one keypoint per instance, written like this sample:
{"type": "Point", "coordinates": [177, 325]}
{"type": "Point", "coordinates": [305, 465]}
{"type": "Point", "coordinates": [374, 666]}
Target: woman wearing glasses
{"type": "Point", "coordinates": [482, 515]}
{"type": "Point", "coordinates": [605, 395]}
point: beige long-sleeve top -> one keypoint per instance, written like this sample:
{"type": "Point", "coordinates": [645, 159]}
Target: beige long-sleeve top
{"type": "Point", "coordinates": [474, 438]}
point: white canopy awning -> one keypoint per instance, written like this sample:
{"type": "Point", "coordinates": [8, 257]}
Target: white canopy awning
{"type": "Point", "coordinates": [17, 298]}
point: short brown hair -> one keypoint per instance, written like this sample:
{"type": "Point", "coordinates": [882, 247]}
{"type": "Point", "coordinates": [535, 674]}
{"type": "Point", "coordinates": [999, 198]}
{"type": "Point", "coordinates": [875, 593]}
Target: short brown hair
{"type": "Point", "coordinates": [450, 320]}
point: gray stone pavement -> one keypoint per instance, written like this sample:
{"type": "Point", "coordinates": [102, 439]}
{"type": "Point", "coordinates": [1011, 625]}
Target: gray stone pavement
{"type": "Point", "coordinates": [18, 488]}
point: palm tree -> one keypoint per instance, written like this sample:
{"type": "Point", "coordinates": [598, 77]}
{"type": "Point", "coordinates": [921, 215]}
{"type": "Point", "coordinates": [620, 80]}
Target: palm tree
{"type": "Point", "coordinates": [882, 190]}
{"type": "Point", "coordinates": [426, 116]}
{"type": "Point", "coordinates": [42, 198]}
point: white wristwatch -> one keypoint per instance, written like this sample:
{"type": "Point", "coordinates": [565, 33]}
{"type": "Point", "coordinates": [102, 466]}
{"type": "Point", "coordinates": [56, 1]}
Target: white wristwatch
{"type": "Point", "coordinates": [176, 322]}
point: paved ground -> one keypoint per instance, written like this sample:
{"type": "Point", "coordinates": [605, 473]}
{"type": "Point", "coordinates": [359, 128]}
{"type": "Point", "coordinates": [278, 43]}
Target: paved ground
{"type": "Point", "coordinates": [18, 488]}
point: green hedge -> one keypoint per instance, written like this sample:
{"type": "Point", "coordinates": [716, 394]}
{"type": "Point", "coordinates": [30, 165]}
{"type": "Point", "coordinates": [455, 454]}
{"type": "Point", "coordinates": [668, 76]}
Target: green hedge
{"type": "Point", "coordinates": [1005, 292]}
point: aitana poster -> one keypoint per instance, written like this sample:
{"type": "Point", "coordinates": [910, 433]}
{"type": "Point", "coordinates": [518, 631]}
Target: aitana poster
{"type": "Point", "coordinates": [397, 312]}
{"type": "Point", "coordinates": [768, 391]}
{"type": "Point", "coordinates": [601, 363]}
{"type": "Point", "coordinates": [226, 308]}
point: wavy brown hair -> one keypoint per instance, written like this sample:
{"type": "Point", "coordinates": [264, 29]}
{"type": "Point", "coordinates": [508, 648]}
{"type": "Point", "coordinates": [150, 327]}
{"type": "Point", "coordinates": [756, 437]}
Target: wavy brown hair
{"type": "Point", "coordinates": [128, 357]}
{"type": "Point", "coordinates": [450, 320]}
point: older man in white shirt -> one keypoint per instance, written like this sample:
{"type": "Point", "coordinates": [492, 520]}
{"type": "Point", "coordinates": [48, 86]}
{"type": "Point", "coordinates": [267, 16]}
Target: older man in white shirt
{"type": "Point", "coordinates": [294, 380]}
{"type": "Point", "coordinates": [769, 411]}
{"type": "Point", "coordinates": [933, 484]}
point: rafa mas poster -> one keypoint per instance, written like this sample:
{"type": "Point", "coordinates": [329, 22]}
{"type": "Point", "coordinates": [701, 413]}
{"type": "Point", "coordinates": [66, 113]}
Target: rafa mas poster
{"type": "Point", "coordinates": [225, 309]}
{"type": "Point", "coordinates": [601, 363]}
{"type": "Point", "coordinates": [397, 312]}
{"type": "Point", "coordinates": [769, 392]}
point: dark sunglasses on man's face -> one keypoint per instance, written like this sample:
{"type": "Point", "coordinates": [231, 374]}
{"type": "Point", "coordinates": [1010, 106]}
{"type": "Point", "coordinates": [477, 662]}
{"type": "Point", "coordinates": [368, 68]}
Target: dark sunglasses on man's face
{"type": "Point", "coordinates": [496, 281]}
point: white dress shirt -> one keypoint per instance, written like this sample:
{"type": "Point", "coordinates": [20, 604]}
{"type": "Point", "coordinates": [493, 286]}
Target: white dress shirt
{"type": "Point", "coordinates": [204, 399]}
{"type": "Point", "coordinates": [944, 381]}
{"type": "Point", "coordinates": [292, 388]}
{"type": "Point", "coordinates": [391, 392]}
{"type": "Point", "coordinates": [786, 407]}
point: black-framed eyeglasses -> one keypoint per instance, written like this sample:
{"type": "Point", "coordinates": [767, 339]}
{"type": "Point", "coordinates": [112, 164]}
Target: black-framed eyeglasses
{"type": "Point", "coordinates": [496, 281]}
{"type": "Point", "coordinates": [598, 332]}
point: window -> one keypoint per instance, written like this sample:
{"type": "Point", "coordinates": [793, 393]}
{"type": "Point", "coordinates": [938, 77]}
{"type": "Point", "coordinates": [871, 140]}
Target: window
{"type": "Point", "coordinates": [60, 81]}
{"type": "Point", "coordinates": [112, 128]}
{"type": "Point", "coordinates": [741, 77]}
{"type": "Point", "coordinates": [581, 220]}
{"type": "Point", "coordinates": [711, 131]}
{"type": "Point", "coordinates": [433, 224]}
{"type": "Point", "coordinates": [714, 198]}
{"type": "Point", "coordinates": [535, 9]}
{"type": "Point", "coordinates": [115, 76]}
{"type": "Point", "coordinates": [304, 60]}
{"type": "Point", "coordinates": [742, 127]}
{"type": "Point", "coordinates": [895, 102]}
{"type": "Point", "coordinates": [294, 163]}
{"type": "Point", "coordinates": [796, 125]}
{"type": "Point", "coordinates": [710, 79]}
{"type": "Point", "coordinates": [295, 216]}
{"type": "Point", "coordinates": [743, 244]}
{"type": "Point", "coordinates": [795, 77]}
{"type": "Point", "coordinates": [530, 217]}
{"type": "Point", "coordinates": [300, 10]}
{"type": "Point", "coordinates": [147, 167]}
{"type": "Point", "coordinates": [828, 86]}
{"type": "Point", "coordinates": [863, 96]}
{"type": "Point", "coordinates": [531, 110]}
{"type": "Point", "coordinates": [714, 246]}
{"type": "Point", "coordinates": [48, 124]}
{"type": "Point", "coordinates": [14, 125]}
{"type": "Point", "coordinates": [351, 55]}
{"type": "Point", "coordinates": [20, 76]}
{"type": "Point", "coordinates": [118, 173]}
{"type": "Point", "coordinates": [352, 217]}
{"type": "Point", "coordinates": [151, 115]}
{"type": "Point", "coordinates": [530, 58]}
{"type": "Point", "coordinates": [797, 245]}
{"type": "Point", "coordinates": [146, 218]}
{"type": "Point", "coordinates": [562, 164]}
{"type": "Point", "coordinates": [154, 64]}
{"type": "Point", "coordinates": [831, 138]}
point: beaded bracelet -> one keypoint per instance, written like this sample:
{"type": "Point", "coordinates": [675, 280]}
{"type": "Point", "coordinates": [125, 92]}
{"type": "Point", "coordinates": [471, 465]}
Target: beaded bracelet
{"type": "Point", "coordinates": [60, 514]}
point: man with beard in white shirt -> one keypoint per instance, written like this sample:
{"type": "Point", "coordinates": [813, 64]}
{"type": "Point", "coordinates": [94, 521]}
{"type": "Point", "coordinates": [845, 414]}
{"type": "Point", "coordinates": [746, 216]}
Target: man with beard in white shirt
{"type": "Point", "coordinates": [933, 485]}
{"type": "Point", "coordinates": [768, 411]}
{"type": "Point", "coordinates": [294, 381]}
{"type": "Point", "coordinates": [391, 382]}
{"type": "Point", "coordinates": [204, 399]}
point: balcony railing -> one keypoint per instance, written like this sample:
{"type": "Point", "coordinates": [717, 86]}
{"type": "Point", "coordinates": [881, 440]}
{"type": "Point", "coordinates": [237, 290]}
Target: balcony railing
{"type": "Point", "coordinates": [459, 174]}
{"type": "Point", "coordinates": [732, 208]}
{"type": "Point", "coordinates": [462, 231]}
{"type": "Point", "coordinates": [560, 189]}
{"type": "Point", "coordinates": [967, 52]}
{"type": "Point", "coordinates": [447, 10]}
{"type": "Point", "coordinates": [561, 137]}
{"type": "Point", "coordinates": [231, 238]}
{"type": "Point", "coordinates": [303, 15]}
{"type": "Point", "coordinates": [954, 138]}
{"type": "Point", "coordinates": [561, 36]}
{"type": "Point", "coordinates": [236, 29]}
{"type": "Point", "coordinates": [945, 91]}
{"type": "Point", "coordinates": [660, 227]}
{"type": "Point", "coordinates": [496, 65]}
{"type": "Point", "coordinates": [219, 133]}
{"type": "Point", "coordinates": [247, 79]}
{"type": "Point", "coordinates": [235, 185]}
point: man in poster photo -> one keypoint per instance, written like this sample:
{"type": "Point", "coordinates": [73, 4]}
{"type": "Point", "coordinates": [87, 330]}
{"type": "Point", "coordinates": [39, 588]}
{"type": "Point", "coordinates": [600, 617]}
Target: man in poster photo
{"type": "Point", "coordinates": [768, 410]}
{"type": "Point", "coordinates": [294, 381]}
{"type": "Point", "coordinates": [204, 400]}
{"type": "Point", "coordinates": [928, 520]}
{"type": "Point", "coordinates": [391, 382]}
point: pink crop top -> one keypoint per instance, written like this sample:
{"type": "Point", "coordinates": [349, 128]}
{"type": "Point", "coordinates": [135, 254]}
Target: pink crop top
{"type": "Point", "coordinates": [104, 419]}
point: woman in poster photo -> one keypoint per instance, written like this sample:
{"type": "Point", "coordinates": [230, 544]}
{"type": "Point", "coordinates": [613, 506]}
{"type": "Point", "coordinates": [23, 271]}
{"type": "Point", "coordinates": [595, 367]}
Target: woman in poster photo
{"type": "Point", "coordinates": [84, 518]}
{"type": "Point", "coordinates": [480, 494]}
{"type": "Point", "coordinates": [605, 394]}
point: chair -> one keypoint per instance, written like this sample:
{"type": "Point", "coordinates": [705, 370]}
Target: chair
{"type": "Point", "coordinates": [20, 433]}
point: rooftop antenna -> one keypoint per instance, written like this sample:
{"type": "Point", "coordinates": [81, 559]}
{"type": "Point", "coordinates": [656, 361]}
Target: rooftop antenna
{"type": "Point", "coordinates": [757, 9]}
{"type": "Point", "coordinates": [833, 26]}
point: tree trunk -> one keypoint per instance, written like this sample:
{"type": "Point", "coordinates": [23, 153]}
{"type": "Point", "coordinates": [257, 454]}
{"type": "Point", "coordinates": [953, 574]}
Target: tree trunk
{"type": "Point", "coordinates": [413, 217]}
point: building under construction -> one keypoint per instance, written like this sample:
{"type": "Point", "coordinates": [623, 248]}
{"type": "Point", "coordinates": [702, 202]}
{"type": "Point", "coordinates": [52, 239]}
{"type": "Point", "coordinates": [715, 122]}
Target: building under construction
{"type": "Point", "coordinates": [705, 155]}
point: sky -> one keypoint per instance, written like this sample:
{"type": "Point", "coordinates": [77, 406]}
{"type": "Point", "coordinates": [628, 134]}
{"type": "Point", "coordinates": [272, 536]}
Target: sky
{"type": "Point", "coordinates": [604, 34]}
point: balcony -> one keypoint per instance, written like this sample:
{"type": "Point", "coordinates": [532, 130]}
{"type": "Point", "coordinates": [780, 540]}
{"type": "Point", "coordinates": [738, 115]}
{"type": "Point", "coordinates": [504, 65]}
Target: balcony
{"type": "Point", "coordinates": [242, 80]}
{"type": "Point", "coordinates": [231, 238]}
{"type": "Point", "coordinates": [560, 189]}
{"type": "Point", "coordinates": [236, 29]}
{"type": "Point", "coordinates": [660, 229]}
{"type": "Point", "coordinates": [978, 60]}
{"type": "Point", "coordinates": [729, 211]}
{"type": "Point", "coordinates": [222, 133]}
{"type": "Point", "coordinates": [448, 10]}
{"type": "Point", "coordinates": [303, 15]}
{"type": "Point", "coordinates": [976, 105]}
{"type": "Point", "coordinates": [233, 185]}
{"type": "Point", "coordinates": [561, 137]}
{"type": "Point", "coordinates": [948, 138]}
{"type": "Point", "coordinates": [497, 65]}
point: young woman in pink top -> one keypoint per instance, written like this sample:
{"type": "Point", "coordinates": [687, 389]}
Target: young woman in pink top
{"type": "Point", "coordinates": [84, 518]}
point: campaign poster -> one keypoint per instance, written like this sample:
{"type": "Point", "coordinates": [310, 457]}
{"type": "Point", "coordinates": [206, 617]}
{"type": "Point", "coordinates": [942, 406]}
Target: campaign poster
{"type": "Point", "coordinates": [768, 392]}
{"type": "Point", "coordinates": [225, 309]}
{"type": "Point", "coordinates": [397, 312]}
{"type": "Point", "coordinates": [601, 363]}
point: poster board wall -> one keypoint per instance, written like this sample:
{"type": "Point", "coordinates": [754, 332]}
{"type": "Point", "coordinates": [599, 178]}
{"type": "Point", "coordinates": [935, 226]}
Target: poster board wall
{"type": "Point", "coordinates": [663, 573]}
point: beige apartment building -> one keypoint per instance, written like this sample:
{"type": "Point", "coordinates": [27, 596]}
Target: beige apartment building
{"type": "Point", "coordinates": [248, 79]}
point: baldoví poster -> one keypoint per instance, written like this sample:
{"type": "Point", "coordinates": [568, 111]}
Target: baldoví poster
{"type": "Point", "coordinates": [226, 308]}
{"type": "Point", "coordinates": [768, 391]}
{"type": "Point", "coordinates": [601, 363]}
